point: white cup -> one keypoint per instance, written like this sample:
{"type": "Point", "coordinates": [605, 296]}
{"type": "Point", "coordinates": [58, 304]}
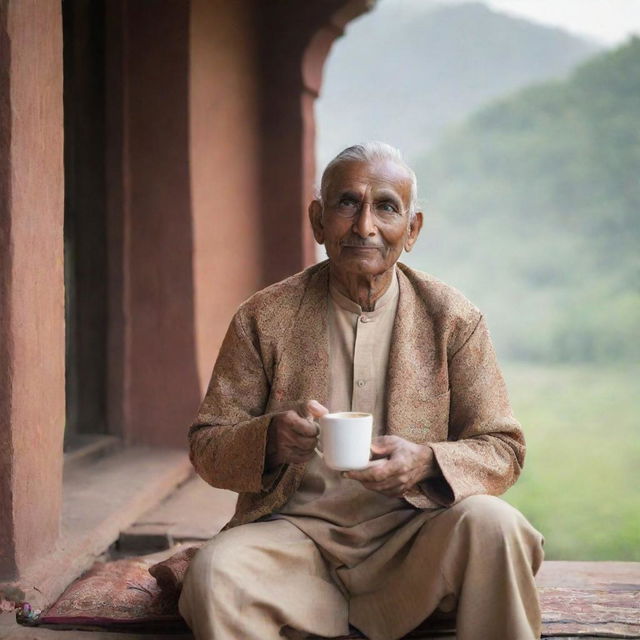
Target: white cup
{"type": "Point", "coordinates": [345, 440]}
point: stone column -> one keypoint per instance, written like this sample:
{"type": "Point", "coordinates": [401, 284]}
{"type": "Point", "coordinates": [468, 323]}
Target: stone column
{"type": "Point", "coordinates": [32, 378]}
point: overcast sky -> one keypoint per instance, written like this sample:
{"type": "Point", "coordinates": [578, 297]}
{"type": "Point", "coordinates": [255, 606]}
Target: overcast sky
{"type": "Point", "coordinates": [609, 21]}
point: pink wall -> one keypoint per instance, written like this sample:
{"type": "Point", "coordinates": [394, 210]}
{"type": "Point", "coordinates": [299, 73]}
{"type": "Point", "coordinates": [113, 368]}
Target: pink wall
{"type": "Point", "coordinates": [188, 242]}
{"type": "Point", "coordinates": [32, 412]}
{"type": "Point", "coordinates": [225, 164]}
{"type": "Point", "coordinates": [157, 297]}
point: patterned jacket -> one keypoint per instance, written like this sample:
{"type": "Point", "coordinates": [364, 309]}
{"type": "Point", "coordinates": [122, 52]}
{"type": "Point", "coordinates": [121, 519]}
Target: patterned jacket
{"type": "Point", "coordinates": [444, 388]}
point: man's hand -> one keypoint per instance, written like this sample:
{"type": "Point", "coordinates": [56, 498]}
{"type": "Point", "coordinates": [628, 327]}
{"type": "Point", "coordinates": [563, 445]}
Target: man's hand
{"type": "Point", "coordinates": [292, 435]}
{"type": "Point", "coordinates": [404, 465]}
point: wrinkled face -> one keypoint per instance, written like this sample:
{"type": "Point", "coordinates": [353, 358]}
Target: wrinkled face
{"type": "Point", "coordinates": [365, 223]}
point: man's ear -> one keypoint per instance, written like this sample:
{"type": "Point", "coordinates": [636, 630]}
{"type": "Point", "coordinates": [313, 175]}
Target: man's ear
{"type": "Point", "coordinates": [414, 231]}
{"type": "Point", "coordinates": [315, 217]}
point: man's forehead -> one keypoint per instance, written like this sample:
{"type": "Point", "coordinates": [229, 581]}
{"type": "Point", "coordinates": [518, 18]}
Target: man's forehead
{"type": "Point", "coordinates": [380, 174]}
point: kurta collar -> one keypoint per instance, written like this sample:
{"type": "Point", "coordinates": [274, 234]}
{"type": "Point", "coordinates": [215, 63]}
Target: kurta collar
{"type": "Point", "coordinates": [382, 304]}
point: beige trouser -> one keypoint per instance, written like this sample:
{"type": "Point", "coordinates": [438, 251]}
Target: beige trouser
{"type": "Point", "coordinates": [260, 580]}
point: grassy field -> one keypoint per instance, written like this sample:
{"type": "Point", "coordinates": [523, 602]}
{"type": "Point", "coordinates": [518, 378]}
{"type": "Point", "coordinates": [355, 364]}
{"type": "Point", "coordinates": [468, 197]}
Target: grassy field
{"type": "Point", "coordinates": [581, 482]}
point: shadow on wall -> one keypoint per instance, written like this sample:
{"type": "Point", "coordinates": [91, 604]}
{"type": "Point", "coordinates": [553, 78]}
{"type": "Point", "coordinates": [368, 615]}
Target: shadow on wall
{"type": "Point", "coordinates": [163, 383]}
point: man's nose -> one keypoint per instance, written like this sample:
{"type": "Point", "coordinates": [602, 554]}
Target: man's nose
{"type": "Point", "coordinates": [365, 223]}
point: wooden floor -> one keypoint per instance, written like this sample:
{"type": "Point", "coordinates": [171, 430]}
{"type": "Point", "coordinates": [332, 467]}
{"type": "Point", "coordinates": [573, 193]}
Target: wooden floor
{"type": "Point", "coordinates": [9, 630]}
{"type": "Point", "coordinates": [593, 599]}
{"type": "Point", "coordinates": [580, 600]}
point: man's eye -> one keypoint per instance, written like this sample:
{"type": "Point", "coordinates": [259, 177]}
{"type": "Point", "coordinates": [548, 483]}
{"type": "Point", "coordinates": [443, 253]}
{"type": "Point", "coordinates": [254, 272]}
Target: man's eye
{"type": "Point", "coordinates": [386, 207]}
{"type": "Point", "coordinates": [347, 202]}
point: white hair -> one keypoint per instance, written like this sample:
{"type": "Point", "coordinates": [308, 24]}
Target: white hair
{"type": "Point", "coordinates": [371, 152]}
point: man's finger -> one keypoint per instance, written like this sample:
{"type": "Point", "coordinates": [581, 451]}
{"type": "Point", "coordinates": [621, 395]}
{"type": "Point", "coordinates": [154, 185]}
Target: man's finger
{"type": "Point", "coordinates": [383, 445]}
{"type": "Point", "coordinates": [305, 428]}
{"type": "Point", "coordinates": [392, 484]}
{"type": "Point", "coordinates": [378, 472]}
{"type": "Point", "coordinates": [311, 409]}
{"type": "Point", "coordinates": [299, 458]}
{"type": "Point", "coordinates": [301, 451]}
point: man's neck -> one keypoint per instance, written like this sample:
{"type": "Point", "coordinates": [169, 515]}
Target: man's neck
{"type": "Point", "coordinates": [363, 289]}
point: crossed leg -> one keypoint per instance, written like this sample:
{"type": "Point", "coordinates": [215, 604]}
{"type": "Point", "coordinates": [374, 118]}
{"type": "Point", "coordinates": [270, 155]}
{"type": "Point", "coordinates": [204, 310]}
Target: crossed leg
{"type": "Point", "coordinates": [253, 581]}
{"type": "Point", "coordinates": [479, 556]}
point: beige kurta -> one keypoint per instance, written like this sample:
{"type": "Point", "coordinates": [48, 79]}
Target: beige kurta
{"type": "Point", "coordinates": [345, 520]}
{"type": "Point", "coordinates": [444, 388]}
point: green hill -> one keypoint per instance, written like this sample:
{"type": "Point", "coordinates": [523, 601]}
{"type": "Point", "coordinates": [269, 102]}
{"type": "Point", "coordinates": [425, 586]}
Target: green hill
{"type": "Point", "coordinates": [533, 210]}
{"type": "Point", "coordinates": [404, 72]}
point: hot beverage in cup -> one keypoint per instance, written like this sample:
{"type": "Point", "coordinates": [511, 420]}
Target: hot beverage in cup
{"type": "Point", "coordinates": [345, 440]}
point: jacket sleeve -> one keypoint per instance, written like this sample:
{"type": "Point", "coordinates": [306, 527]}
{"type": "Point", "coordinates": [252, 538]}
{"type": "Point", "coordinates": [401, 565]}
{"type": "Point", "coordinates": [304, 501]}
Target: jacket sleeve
{"type": "Point", "coordinates": [485, 449]}
{"type": "Point", "coordinates": [227, 440]}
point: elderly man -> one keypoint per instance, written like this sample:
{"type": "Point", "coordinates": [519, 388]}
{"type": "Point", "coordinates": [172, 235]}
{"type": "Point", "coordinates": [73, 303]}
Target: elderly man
{"type": "Point", "coordinates": [310, 550]}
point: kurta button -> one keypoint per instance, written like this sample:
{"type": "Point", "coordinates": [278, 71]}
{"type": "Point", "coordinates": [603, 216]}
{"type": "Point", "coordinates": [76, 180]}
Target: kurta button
{"type": "Point", "coordinates": [364, 319]}
{"type": "Point", "coordinates": [361, 383]}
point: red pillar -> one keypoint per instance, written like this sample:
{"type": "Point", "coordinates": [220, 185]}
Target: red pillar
{"type": "Point", "coordinates": [32, 341]}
